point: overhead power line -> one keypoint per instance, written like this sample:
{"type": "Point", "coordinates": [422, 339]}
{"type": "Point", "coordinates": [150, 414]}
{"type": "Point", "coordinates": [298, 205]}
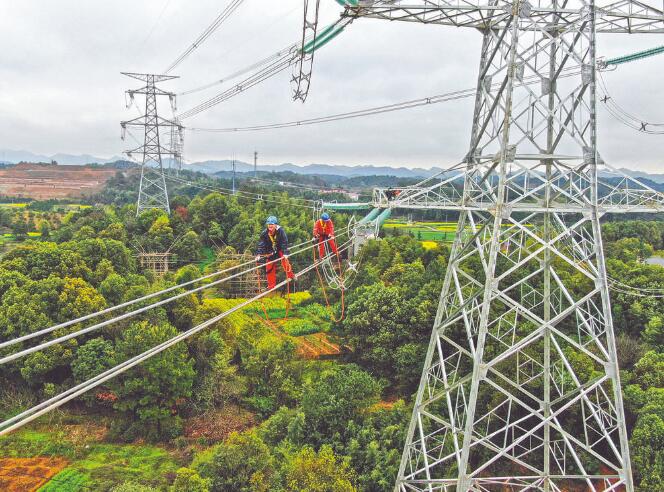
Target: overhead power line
{"type": "Point", "coordinates": [292, 201]}
{"type": "Point", "coordinates": [225, 14]}
{"type": "Point", "coordinates": [413, 103]}
{"type": "Point", "coordinates": [273, 65]}
{"type": "Point", "coordinates": [352, 114]}
{"type": "Point", "coordinates": [67, 395]}
{"type": "Point", "coordinates": [270, 59]}
{"type": "Point", "coordinates": [626, 118]}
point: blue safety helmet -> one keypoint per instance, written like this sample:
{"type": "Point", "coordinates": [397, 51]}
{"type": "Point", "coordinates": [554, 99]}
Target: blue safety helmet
{"type": "Point", "coordinates": [271, 220]}
{"type": "Point", "coordinates": [325, 216]}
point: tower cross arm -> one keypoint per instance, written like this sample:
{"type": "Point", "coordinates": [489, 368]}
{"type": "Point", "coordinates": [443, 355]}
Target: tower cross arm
{"type": "Point", "coordinates": [617, 192]}
{"type": "Point", "coordinates": [623, 16]}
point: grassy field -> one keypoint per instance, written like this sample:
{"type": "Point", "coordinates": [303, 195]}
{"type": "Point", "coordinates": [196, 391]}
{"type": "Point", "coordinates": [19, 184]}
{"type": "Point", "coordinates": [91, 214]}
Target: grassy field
{"type": "Point", "coordinates": [92, 465]}
{"type": "Point", "coordinates": [63, 206]}
{"type": "Point", "coordinates": [208, 259]}
{"type": "Point", "coordinates": [425, 231]}
{"type": "Point", "coordinates": [13, 205]}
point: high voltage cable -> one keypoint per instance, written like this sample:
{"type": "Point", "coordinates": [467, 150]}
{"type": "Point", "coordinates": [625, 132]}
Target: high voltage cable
{"type": "Point", "coordinates": [275, 64]}
{"type": "Point", "coordinates": [636, 294]}
{"type": "Point", "coordinates": [81, 319]}
{"type": "Point", "coordinates": [288, 183]}
{"type": "Point", "coordinates": [225, 14]}
{"type": "Point", "coordinates": [625, 117]}
{"type": "Point", "coordinates": [414, 103]}
{"type": "Point", "coordinates": [288, 50]}
{"type": "Point", "coordinates": [272, 69]}
{"type": "Point", "coordinates": [352, 114]}
{"type": "Point", "coordinates": [240, 72]}
{"type": "Point", "coordinates": [59, 400]}
{"type": "Point", "coordinates": [247, 194]}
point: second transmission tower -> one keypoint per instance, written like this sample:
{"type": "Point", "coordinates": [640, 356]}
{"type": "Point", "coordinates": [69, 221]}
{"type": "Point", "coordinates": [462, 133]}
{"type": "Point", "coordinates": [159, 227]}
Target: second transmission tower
{"type": "Point", "coordinates": [152, 191]}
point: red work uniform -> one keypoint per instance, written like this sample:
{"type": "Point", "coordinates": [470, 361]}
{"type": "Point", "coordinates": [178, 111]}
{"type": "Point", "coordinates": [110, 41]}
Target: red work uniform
{"type": "Point", "coordinates": [324, 230]}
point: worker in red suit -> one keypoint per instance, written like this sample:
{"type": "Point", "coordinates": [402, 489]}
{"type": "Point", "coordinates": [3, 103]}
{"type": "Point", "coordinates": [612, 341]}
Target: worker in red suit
{"type": "Point", "coordinates": [324, 231]}
{"type": "Point", "coordinates": [273, 245]}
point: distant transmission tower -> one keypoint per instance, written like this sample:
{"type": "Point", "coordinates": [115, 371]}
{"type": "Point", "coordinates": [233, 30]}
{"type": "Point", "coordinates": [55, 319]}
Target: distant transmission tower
{"type": "Point", "coordinates": [152, 191]}
{"type": "Point", "coordinates": [520, 388]}
{"type": "Point", "coordinates": [177, 146]}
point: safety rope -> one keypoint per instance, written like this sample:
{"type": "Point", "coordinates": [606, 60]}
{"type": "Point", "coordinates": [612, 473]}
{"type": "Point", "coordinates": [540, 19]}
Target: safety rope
{"type": "Point", "coordinates": [322, 283]}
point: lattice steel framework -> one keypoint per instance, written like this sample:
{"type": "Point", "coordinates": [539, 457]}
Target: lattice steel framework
{"type": "Point", "coordinates": [152, 191]}
{"type": "Point", "coordinates": [176, 146]}
{"type": "Point", "coordinates": [301, 79]}
{"type": "Point", "coordinates": [520, 388]}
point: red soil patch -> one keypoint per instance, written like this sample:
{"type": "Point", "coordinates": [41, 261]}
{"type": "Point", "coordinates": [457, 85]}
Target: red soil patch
{"type": "Point", "coordinates": [28, 474]}
{"type": "Point", "coordinates": [44, 181]}
{"type": "Point", "coordinates": [217, 425]}
{"type": "Point", "coordinates": [309, 346]}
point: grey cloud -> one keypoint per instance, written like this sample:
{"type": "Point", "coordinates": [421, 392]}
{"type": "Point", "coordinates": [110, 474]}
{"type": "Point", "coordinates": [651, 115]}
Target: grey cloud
{"type": "Point", "coordinates": [61, 90]}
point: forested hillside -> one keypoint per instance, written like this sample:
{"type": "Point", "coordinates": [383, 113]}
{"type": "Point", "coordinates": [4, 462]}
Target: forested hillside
{"type": "Point", "coordinates": [244, 405]}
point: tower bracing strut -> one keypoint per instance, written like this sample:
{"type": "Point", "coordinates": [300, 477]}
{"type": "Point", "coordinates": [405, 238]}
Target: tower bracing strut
{"type": "Point", "coordinates": [301, 78]}
{"type": "Point", "coordinates": [520, 388]}
{"type": "Point", "coordinates": [152, 190]}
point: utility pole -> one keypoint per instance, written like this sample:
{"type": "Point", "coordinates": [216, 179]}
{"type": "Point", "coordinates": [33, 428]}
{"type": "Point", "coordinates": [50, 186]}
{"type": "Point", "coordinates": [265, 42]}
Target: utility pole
{"type": "Point", "coordinates": [233, 174]}
{"type": "Point", "coordinates": [255, 163]}
{"type": "Point", "coordinates": [152, 190]}
{"type": "Point", "coordinates": [504, 401]}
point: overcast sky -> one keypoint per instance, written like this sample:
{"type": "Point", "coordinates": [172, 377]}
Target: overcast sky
{"type": "Point", "coordinates": [61, 88]}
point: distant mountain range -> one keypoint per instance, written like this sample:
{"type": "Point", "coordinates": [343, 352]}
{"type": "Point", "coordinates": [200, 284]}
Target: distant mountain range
{"type": "Point", "coordinates": [212, 167]}
{"type": "Point", "coordinates": [15, 156]}
{"type": "Point", "coordinates": [216, 166]}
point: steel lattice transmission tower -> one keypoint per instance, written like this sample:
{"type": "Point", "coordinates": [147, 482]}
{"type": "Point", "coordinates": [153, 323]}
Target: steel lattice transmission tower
{"type": "Point", "coordinates": [520, 388]}
{"type": "Point", "coordinates": [176, 146]}
{"type": "Point", "coordinates": [152, 192]}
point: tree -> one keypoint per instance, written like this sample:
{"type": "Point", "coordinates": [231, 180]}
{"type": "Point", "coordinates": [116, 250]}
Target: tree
{"type": "Point", "coordinates": [379, 322]}
{"type": "Point", "coordinates": [654, 332]}
{"type": "Point", "coordinates": [113, 288]}
{"type": "Point", "coordinates": [309, 471]}
{"type": "Point", "coordinates": [338, 396]}
{"type": "Point", "coordinates": [274, 378]}
{"type": "Point", "coordinates": [649, 371]}
{"type": "Point", "coordinates": [78, 298]}
{"type": "Point", "coordinates": [217, 381]}
{"type": "Point", "coordinates": [115, 231]}
{"type": "Point", "coordinates": [92, 358]}
{"type": "Point", "coordinates": [39, 260]}
{"type": "Point", "coordinates": [149, 394]}
{"type": "Point", "coordinates": [187, 480]}
{"type": "Point", "coordinates": [243, 463]}
{"type": "Point", "coordinates": [647, 447]}
{"type": "Point", "coordinates": [186, 274]}
{"type": "Point", "coordinates": [160, 234]}
{"type": "Point", "coordinates": [188, 248]}
{"type": "Point", "coordinates": [374, 446]}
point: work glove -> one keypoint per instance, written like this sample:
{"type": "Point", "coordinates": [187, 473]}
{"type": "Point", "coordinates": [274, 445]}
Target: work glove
{"type": "Point", "coordinates": [258, 258]}
{"type": "Point", "coordinates": [314, 240]}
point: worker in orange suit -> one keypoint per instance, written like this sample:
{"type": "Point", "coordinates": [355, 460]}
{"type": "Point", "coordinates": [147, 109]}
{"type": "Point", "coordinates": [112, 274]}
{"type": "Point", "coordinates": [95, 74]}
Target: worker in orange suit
{"type": "Point", "coordinates": [273, 245]}
{"type": "Point", "coordinates": [324, 231]}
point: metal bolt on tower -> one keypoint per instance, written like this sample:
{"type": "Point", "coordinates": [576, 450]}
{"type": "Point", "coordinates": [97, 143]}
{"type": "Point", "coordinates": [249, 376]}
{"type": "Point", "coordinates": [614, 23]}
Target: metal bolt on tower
{"type": "Point", "coordinates": [520, 388]}
{"type": "Point", "coordinates": [152, 192]}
